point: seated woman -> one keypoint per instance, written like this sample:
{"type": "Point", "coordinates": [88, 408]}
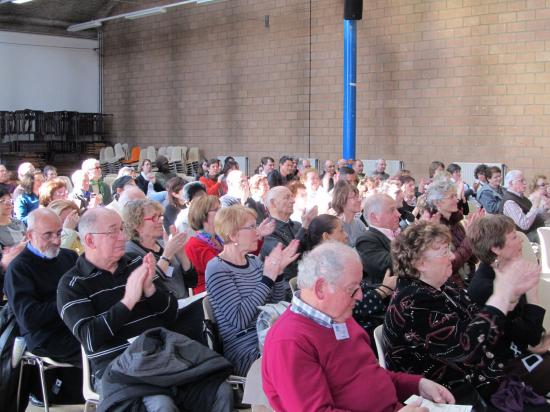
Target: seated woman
{"type": "Point", "coordinates": [175, 201]}
{"type": "Point", "coordinates": [442, 202]}
{"type": "Point", "coordinates": [433, 329]}
{"type": "Point", "coordinates": [28, 201]}
{"type": "Point", "coordinates": [496, 242]}
{"type": "Point", "coordinates": [53, 189]}
{"type": "Point", "coordinates": [68, 213]}
{"type": "Point", "coordinates": [238, 282]}
{"type": "Point", "coordinates": [346, 203]}
{"type": "Point", "coordinates": [12, 231]}
{"type": "Point", "coordinates": [143, 227]}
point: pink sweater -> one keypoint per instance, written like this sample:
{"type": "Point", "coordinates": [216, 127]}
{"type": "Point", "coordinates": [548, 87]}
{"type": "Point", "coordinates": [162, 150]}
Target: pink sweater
{"type": "Point", "coordinates": [304, 368]}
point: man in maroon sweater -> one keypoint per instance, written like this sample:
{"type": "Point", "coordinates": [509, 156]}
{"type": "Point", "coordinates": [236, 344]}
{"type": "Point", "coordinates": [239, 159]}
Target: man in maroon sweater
{"type": "Point", "coordinates": [317, 358]}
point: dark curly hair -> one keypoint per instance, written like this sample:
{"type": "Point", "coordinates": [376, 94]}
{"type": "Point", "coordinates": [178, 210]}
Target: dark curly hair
{"type": "Point", "coordinates": [411, 244]}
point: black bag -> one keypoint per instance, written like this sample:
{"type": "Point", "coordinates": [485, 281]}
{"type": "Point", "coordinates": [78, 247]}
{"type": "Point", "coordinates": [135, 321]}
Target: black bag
{"type": "Point", "coordinates": [9, 377]}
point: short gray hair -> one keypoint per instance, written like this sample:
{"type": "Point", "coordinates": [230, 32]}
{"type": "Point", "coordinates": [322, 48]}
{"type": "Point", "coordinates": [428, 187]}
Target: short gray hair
{"type": "Point", "coordinates": [89, 221]}
{"type": "Point", "coordinates": [38, 214]}
{"type": "Point", "coordinates": [89, 164]}
{"type": "Point", "coordinates": [327, 261]}
{"type": "Point", "coordinates": [374, 204]}
{"type": "Point", "coordinates": [273, 193]}
{"type": "Point", "coordinates": [438, 189]}
{"type": "Point", "coordinates": [510, 176]}
{"type": "Point", "coordinates": [132, 193]}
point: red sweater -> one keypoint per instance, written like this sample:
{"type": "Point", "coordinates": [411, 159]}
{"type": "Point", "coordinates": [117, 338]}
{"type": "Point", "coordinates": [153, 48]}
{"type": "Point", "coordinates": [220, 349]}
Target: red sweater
{"type": "Point", "coordinates": [304, 368]}
{"type": "Point", "coordinates": [212, 186]}
{"type": "Point", "coordinates": [199, 253]}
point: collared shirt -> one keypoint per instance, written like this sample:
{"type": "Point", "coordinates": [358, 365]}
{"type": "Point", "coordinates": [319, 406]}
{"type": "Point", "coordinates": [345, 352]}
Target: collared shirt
{"type": "Point", "coordinates": [390, 234]}
{"type": "Point", "coordinates": [513, 210]}
{"type": "Point", "coordinates": [302, 308]}
{"type": "Point", "coordinates": [36, 252]}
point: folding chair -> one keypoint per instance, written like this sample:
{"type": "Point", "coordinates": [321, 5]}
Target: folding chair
{"type": "Point", "coordinates": [90, 396]}
{"type": "Point", "coordinates": [379, 341]}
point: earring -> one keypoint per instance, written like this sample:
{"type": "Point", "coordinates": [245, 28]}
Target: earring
{"type": "Point", "coordinates": [236, 244]}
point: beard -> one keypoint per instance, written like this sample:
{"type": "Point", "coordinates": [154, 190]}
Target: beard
{"type": "Point", "coordinates": [51, 252]}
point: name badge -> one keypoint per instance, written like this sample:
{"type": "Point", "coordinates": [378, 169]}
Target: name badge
{"type": "Point", "coordinates": [340, 331]}
{"type": "Point", "coordinates": [169, 272]}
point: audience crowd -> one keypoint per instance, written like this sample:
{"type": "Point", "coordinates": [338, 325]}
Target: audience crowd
{"type": "Point", "coordinates": [435, 265]}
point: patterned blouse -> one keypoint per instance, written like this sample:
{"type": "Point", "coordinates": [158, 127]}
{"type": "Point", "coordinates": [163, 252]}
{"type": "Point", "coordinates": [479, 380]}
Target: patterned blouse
{"type": "Point", "coordinates": [443, 335]}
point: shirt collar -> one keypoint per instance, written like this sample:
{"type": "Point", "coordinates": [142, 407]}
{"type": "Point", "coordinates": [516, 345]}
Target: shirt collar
{"type": "Point", "coordinates": [86, 267]}
{"type": "Point", "coordinates": [390, 234]}
{"type": "Point", "coordinates": [302, 308]}
{"type": "Point", "coordinates": [36, 252]}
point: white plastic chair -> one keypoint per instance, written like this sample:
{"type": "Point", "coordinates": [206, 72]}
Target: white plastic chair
{"type": "Point", "coordinates": [90, 396]}
{"type": "Point", "coordinates": [379, 341]}
{"type": "Point", "coordinates": [544, 238]}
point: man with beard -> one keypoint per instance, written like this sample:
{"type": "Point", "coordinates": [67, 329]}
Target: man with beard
{"type": "Point", "coordinates": [31, 287]}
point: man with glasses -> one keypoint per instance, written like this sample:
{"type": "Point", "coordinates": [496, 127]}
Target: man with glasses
{"type": "Point", "coordinates": [97, 186]}
{"type": "Point", "coordinates": [527, 216]}
{"type": "Point", "coordinates": [31, 287]}
{"type": "Point", "coordinates": [109, 297]}
{"type": "Point", "coordinates": [316, 357]}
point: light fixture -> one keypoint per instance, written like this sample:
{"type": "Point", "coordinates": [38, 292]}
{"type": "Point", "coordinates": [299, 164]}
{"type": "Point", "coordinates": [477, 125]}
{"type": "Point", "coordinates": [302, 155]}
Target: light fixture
{"type": "Point", "coordinates": [85, 26]}
{"type": "Point", "coordinates": [144, 13]}
{"type": "Point", "coordinates": [14, 1]}
{"type": "Point", "coordinates": [132, 15]}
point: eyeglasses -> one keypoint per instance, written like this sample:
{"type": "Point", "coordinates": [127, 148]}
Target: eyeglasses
{"type": "Point", "coordinates": [154, 218]}
{"type": "Point", "coordinates": [6, 202]}
{"type": "Point", "coordinates": [519, 180]}
{"type": "Point", "coordinates": [111, 233]}
{"type": "Point", "coordinates": [352, 294]}
{"type": "Point", "coordinates": [542, 185]}
{"type": "Point", "coordinates": [251, 227]}
{"type": "Point", "coordinates": [50, 235]}
{"type": "Point", "coordinates": [447, 252]}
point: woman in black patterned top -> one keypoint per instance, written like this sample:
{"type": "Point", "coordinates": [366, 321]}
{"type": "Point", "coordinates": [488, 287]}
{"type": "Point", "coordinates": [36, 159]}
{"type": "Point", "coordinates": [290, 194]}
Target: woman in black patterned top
{"type": "Point", "coordinates": [432, 328]}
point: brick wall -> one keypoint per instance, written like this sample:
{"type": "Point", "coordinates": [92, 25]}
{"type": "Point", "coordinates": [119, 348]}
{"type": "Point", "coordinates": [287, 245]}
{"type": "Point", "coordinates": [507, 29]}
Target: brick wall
{"type": "Point", "coordinates": [453, 80]}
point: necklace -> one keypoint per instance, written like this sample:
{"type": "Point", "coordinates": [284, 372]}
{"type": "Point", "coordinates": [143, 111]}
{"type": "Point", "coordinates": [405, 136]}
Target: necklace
{"type": "Point", "coordinates": [214, 241]}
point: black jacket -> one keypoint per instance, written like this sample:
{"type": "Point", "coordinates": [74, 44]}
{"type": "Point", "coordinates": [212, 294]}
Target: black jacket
{"type": "Point", "coordinates": [374, 249]}
{"type": "Point", "coordinates": [523, 325]}
{"type": "Point", "coordinates": [162, 362]}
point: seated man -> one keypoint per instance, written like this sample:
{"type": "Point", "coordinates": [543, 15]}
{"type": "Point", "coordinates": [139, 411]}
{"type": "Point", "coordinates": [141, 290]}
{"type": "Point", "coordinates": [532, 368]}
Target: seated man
{"type": "Point", "coordinates": [381, 214]}
{"type": "Point", "coordinates": [279, 202]}
{"type": "Point", "coordinates": [316, 357]}
{"type": "Point", "coordinates": [110, 297]}
{"type": "Point", "coordinates": [380, 170]}
{"type": "Point", "coordinates": [31, 287]}
{"type": "Point", "coordinates": [527, 216]}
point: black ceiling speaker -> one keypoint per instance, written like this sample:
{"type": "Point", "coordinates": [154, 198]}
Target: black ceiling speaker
{"type": "Point", "coordinates": [353, 9]}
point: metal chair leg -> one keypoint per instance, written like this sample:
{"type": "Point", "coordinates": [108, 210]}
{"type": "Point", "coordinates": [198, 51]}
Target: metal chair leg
{"type": "Point", "coordinates": [21, 365]}
{"type": "Point", "coordinates": [43, 384]}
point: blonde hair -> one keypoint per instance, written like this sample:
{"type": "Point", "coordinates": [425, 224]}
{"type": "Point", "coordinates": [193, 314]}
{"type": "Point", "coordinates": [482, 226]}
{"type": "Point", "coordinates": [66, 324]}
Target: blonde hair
{"type": "Point", "coordinates": [47, 189]}
{"type": "Point", "coordinates": [58, 206]}
{"type": "Point", "coordinates": [198, 211]}
{"type": "Point", "coordinates": [229, 220]}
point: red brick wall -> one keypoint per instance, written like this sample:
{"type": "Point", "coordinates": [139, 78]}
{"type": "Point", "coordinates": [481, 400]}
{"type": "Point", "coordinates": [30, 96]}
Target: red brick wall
{"type": "Point", "coordinates": [454, 80]}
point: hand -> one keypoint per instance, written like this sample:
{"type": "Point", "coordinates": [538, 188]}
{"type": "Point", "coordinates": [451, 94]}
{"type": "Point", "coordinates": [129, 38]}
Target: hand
{"type": "Point", "coordinates": [95, 201]}
{"type": "Point", "coordinates": [542, 347]}
{"type": "Point", "coordinates": [389, 281]}
{"type": "Point", "coordinates": [71, 221]}
{"type": "Point", "coordinates": [9, 253]}
{"type": "Point", "coordinates": [435, 218]}
{"type": "Point", "coordinates": [511, 281]}
{"type": "Point", "coordinates": [134, 286]}
{"type": "Point", "coordinates": [308, 216]}
{"type": "Point", "coordinates": [149, 288]}
{"type": "Point", "coordinates": [175, 243]}
{"type": "Point", "coordinates": [280, 258]}
{"type": "Point", "coordinates": [266, 227]}
{"type": "Point", "coordinates": [414, 407]}
{"type": "Point", "coordinates": [434, 392]}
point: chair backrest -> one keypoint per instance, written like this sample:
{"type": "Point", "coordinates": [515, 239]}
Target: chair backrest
{"type": "Point", "coordinates": [87, 390]}
{"type": "Point", "coordinates": [109, 179]}
{"type": "Point", "coordinates": [211, 327]}
{"type": "Point", "coordinates": [119, 152]}
{"type": "Point", "coordinates": [392, 166]}
{"type": "Point", "coordinates": [109, 153]}
{"type": "Point", "coordinates": [544, 237]}
{"type": "Point", "coordinates": [293, 283]}
{"type": "Point", "coordinates": [194, 155]}
{"type": "Point", "coordinates": [125, 150]}
{"type": "Point", "coordinates": [136, 153]}
{"type": "Point", "coordinates": [102, 155]}
{"type": "Point", "coordinates": [379, 341]}
{"type": "Point", "coordinates": [527, 251]}
{"type": "Point", "coordinates": [151, 153]}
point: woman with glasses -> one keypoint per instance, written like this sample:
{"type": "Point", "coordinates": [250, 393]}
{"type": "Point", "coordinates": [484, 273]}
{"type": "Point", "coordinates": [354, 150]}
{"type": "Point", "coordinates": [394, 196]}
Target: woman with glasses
{"type": "Point", "coordinates": [433, 329]}
{"type": "Point", "coordinates": [28, 200]}
{"type": "Point", "coordinates": [238, 282]}
{"type": "Point", "coordinates": [442, 204]}
{"type": "Point", "coordinates": [539, 189]}
{"type": "Point", "coordinates": [144, 230]}
{"type": "Point", "coordinates": [53, 189]}
{"type": "Point", "coordinates": [346, 202]}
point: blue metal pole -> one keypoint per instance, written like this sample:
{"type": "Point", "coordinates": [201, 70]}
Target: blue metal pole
{"type": "Point", "coordinates": [350, 75]}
